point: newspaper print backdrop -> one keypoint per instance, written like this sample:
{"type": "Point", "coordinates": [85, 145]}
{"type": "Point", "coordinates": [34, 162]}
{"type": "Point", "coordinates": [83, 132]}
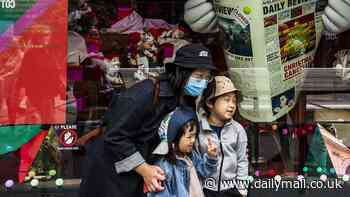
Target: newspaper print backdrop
{"type": "Point", "coordinates": [268, 43]}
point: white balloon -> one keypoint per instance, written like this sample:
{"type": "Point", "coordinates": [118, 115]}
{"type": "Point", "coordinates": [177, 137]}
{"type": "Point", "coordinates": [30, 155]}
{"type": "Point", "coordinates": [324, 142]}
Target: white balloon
{"type": "Point", "coordinates": [200, 16]}
{"type": "Point", "coordinates": [194, 14]}
{"type": "Point", "coordinates": [193, 3]}
{"type": "Point", "coordinates": [329, 25]}
{"type": "Point", "coordinates": [212, 27]}
{"type": "Point", "coordinates": [336, 18]}
{"type": "Point", "coordinates": [202, 25]}
{"type": "Point", "coordinates": [341, 7]}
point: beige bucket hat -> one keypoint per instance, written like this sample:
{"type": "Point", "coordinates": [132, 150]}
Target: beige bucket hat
{"type": "Point", "coordinates": [223, 85]}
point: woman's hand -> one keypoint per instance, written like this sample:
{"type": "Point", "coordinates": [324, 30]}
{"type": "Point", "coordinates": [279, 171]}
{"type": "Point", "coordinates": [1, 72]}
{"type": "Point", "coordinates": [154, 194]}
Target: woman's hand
{"type": "Point", "coordinates": [212, 148]}
{"type": "Point", "coordinates": [152, 176]}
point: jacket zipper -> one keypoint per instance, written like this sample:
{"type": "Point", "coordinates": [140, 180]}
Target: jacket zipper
{"type": "Point", "coordinates": [222, 163]}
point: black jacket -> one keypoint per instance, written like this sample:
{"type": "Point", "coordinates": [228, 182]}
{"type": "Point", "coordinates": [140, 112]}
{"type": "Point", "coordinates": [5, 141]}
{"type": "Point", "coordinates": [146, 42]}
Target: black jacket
{"type": "Point", "coordinates": [129, 140]}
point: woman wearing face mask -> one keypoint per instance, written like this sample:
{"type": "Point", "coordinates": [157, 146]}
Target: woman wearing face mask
{"type": "Point", "coordinates": [121, 159]}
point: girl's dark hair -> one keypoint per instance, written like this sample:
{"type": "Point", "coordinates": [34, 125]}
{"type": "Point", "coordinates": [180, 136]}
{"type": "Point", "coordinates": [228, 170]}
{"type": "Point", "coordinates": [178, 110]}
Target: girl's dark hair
{"type": "Point", "coordinates": [206, 94]}
{"type": "Point", "coordinates": [178, 77]}
{"type": "Point", "coordinates": [174, 150]}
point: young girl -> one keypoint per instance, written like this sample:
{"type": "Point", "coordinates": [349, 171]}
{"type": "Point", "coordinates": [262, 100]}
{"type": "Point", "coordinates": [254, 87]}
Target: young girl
{"type": "Point", "coordinates": [217, 109]}
{"type": "Point", "coordinates": [178, 132]}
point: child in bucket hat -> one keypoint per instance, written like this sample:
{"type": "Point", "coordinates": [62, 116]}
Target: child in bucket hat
{"type": "Point", "coordinates": [178, 132]}
{"type": "Point", "coordinates": [217, 108]}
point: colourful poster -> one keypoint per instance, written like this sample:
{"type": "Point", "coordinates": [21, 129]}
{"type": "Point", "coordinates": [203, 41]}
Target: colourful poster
{"type": "Point", "coordinates": [33, 47]}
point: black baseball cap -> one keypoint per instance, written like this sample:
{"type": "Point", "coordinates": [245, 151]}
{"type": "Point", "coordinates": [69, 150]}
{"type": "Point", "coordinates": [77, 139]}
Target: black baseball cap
{"type": "Point", "coordinates": [194, 56]}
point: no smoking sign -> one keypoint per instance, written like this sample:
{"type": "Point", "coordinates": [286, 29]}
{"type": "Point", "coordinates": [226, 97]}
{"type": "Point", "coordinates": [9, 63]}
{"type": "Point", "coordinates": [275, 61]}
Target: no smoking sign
{"type": "Point", "coordinates": [68, 138]}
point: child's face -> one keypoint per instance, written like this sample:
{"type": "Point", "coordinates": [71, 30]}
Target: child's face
{"type": "Point", "coordinates": [187, 140]}
{"type": "Point", "coordinates": [224, 107]}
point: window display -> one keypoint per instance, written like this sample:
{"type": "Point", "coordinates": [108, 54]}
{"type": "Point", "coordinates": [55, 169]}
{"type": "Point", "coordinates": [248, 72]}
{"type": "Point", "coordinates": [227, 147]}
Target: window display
{"type": "Point", "coordinates": [62, 121]}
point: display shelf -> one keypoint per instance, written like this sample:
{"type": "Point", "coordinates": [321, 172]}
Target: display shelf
{"type": "Point", "coordinates": [323, 80]}
{"type": "Point", "coordinates": [70, 188]}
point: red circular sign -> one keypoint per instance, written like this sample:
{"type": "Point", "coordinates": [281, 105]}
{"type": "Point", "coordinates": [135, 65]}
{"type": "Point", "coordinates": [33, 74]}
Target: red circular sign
{"type": "Point", "coordinates": [68, 137]}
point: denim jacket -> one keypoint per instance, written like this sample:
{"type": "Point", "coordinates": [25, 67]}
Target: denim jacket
{"type": "Point", "coordinates": [177, 176]}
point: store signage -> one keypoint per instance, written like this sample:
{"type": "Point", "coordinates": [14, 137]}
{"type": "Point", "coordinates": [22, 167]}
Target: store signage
{"type": "Point", "coordinates": [67, 137]}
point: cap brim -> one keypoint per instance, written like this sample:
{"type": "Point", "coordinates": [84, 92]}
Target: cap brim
{"type": "Point", "coordinates": [225, 92]}
{"type": "Point", "coordinates": [162, 148]}
{"type": "Point", "coordinates": [195, 66]}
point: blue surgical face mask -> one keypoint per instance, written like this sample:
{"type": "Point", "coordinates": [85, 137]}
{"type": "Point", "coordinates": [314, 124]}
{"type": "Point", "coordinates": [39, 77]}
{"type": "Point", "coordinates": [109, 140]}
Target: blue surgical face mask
{"type": "Point", "coordinates": [195, 87]}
